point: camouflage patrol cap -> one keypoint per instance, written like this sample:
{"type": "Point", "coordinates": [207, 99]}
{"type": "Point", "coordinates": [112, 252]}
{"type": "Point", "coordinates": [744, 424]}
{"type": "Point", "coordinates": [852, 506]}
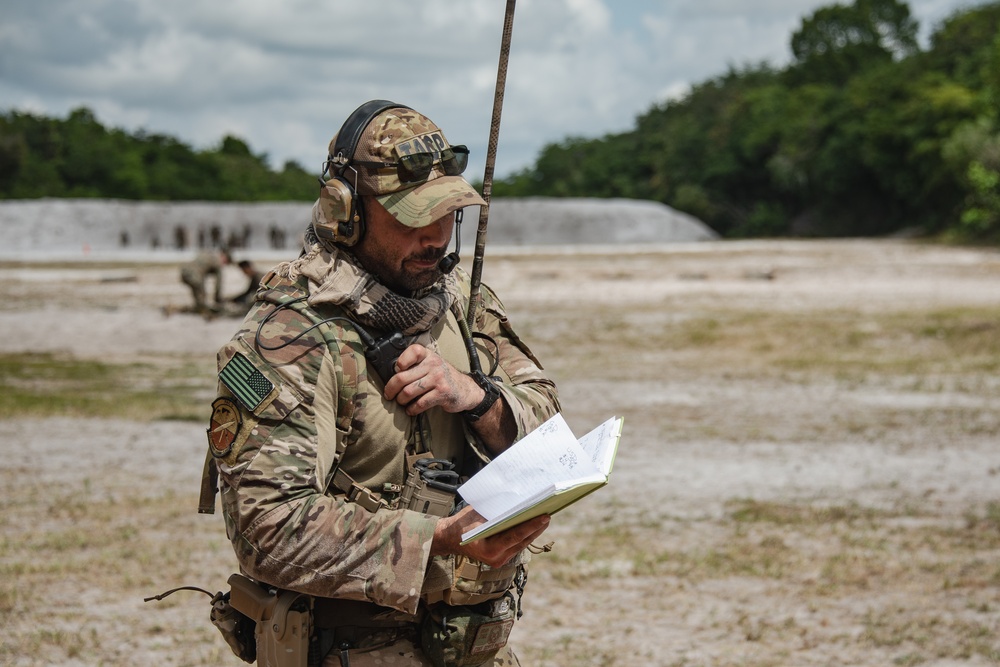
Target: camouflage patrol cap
{"type": "Point", "coordinates": [392, 134]}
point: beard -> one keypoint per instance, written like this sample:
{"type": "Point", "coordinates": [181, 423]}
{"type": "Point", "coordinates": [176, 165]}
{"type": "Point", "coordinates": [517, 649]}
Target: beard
{"type": "Point", "coordinates": [400, 275]}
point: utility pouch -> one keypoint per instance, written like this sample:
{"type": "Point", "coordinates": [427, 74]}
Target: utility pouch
{"type": "Point", "coordinates": [430, 486]}
{"type": "Point", "coordinates": [236, 628]}
{"type": "Point", "coordinates": [467, 636]}
{"type": "Point", "coordinates": [474, 582]}
{"type": "Point", "coordinates": [282, 618]}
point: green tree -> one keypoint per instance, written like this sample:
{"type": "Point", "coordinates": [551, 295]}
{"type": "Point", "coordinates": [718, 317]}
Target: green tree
{"type": "Point", "coordinates": [839, 41]}
{"type": "Point", "coordinates": [851, 139]}
{"type": "Point", "coordinates": [973, 151]}
{"type": "Point", "coordinates": [966, 47]}
{"type": "Point", "coordinates": [695, 153]}
{"type": "Point", "coordinates": [79, 157]}
{"type": "Point", "coordinates": [36, 143]}
{"type": "Point", "coordinates": [600, 167]}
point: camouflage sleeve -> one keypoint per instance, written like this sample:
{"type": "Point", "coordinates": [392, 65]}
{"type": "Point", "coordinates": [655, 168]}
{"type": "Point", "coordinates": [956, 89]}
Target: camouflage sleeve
{"type": "Point", "coordinates": [531, 395]}
{"type": "Point", "coordinates": [286, 530]}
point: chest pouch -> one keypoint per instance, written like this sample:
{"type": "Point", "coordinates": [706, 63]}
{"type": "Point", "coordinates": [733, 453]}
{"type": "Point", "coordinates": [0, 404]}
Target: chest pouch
{"type": "Point", "coordinates": [431, 485]}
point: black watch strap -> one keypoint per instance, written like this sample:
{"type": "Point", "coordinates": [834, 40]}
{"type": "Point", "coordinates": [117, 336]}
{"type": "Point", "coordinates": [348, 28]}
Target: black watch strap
{"type": "Point", "coordinates": [492, 394]}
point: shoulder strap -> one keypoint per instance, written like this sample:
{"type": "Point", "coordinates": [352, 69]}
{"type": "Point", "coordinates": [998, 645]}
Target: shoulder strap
{"type": "Point", "coordinates": [345, 345]}
{"type": "Point", "coordinates": [209, 485]}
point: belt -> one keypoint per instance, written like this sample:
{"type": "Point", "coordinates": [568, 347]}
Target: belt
{"type": "Point", "coordinates": [343, 624]}
{"type": "Point", "coordinates": [336, 613]}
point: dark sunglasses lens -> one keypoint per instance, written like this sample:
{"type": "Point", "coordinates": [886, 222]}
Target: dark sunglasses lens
{"type": "Point", "coordinates": [455, 160]}
{"type": "Point", "coordinates": [415, 167]}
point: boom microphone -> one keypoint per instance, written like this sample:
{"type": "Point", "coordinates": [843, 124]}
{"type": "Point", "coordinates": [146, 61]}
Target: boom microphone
{"type": "Point", "coordinates": [448, 262]}
{"type": "Point", "coordinates": [451, 260]}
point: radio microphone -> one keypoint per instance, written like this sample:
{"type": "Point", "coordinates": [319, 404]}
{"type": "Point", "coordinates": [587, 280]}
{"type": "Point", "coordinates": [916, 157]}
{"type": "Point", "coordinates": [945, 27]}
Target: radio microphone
{"type": "Point", "coordinates": [451, 260]}
{"type": "Point", "coordinates": [448, 262]}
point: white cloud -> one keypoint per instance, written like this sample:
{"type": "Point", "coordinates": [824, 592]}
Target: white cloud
{"type": "Point", "coordinates": [284, 75]}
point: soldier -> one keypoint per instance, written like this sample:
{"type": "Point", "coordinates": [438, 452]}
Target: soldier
{"type": "Point", "coordinates": [353, 401]}
{"type": "Point", "coordinates": [196, 273]}
{"type": "Point", "coordinates": [254, 277]}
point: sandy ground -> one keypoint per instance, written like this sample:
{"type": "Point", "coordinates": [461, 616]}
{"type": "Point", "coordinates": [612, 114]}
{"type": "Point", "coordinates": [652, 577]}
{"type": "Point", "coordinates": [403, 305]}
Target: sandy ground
{"type": "Point", "coordinates": [911, 456]}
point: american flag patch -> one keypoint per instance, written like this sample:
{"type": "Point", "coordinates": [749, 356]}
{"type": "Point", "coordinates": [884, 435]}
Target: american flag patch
{"type": "Point", "coordinates": [246, 382]}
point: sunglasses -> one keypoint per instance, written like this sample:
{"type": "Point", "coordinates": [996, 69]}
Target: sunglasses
{"type": "Point", "coordinates": [417, 166]}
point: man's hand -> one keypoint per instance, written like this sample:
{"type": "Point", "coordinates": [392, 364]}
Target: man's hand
{"type": "Point", "coordinates": [495, 550]}
{"type": "Point", "coordinates": [424, 380]}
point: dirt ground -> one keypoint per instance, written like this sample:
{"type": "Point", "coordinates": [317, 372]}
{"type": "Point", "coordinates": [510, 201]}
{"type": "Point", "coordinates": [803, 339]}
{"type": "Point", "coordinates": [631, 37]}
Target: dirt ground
{"type": "Point", "coordinates": [809, 472]}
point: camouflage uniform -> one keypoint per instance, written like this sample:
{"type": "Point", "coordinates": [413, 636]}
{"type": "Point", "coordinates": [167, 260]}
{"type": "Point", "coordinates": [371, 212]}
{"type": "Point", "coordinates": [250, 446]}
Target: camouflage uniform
{"type": "Point", "coordinates": [196, 273]}
{"type": "Point", "coordinates": [321, 413]}
{"type": "Point", "coordinates": [246, 298]}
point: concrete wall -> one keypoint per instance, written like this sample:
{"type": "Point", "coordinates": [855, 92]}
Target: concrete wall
{"type": "Point", "coordinates": [102, 226]}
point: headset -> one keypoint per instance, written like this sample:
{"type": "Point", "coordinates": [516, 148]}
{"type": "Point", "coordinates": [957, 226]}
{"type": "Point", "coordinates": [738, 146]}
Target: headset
{"type": "Point", "coordinates": [347, 225]}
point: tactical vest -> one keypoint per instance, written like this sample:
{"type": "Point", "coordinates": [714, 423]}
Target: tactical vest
{"type": "Point", "coordinates": [370, 464]}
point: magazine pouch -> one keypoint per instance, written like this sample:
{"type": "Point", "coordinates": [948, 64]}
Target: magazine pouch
{"type": "Point", "coordinates": [467, 635]}
{"type": "Point", "coordinates": [430, 485]}
{"type": "Point", "coordinates": [474, 582]}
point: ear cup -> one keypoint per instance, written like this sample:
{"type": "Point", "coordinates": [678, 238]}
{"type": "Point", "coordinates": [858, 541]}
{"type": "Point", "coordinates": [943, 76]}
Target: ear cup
{"type": "Point", "coordinates": [340, 219]}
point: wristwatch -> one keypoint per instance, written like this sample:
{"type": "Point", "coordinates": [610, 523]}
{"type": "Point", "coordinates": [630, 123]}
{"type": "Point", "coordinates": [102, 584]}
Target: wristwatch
{"type": "Point", "coordinates": [492, 394]}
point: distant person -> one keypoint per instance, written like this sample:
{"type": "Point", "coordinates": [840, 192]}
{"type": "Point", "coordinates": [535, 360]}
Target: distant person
{"type": "Point", "coordinates": [254, 277]}
{"type": "Point", "coordinates": [277, 238]}
{"type": "Point", "coordinates": [180, 237]}
{"type": "Point", "coordinates": [196, 274]}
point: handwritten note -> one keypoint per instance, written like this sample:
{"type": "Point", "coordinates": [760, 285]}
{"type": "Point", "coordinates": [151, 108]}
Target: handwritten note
{"type": "Point", "coordinates": [535, 470]}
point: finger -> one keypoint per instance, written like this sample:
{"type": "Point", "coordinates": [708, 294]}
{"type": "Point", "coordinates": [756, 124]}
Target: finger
{"type": "Point", "coordinates": [529, 530]}
{"type": "Point", "coordinates": [411, 356]}
{"type": "Point", "coordinates": [421, 401]}
{"type": "Point", "coordinates": [509, 543]}
{"type": "Point", "coordinates": [403, 379]}
{"type": "Point", "coordinates": [534, 535]}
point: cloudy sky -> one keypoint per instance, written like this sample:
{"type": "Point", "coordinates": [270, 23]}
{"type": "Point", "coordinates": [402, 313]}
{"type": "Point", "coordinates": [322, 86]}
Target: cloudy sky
{"type": "Point", "coordinates": [283, 74]}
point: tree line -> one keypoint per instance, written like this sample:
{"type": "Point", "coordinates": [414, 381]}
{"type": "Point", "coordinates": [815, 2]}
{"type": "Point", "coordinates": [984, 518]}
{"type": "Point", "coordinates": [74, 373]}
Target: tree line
{"type": "Point", "coordinates": [863, 133]}
{"type": "Point", "coordinates": [79, 157]}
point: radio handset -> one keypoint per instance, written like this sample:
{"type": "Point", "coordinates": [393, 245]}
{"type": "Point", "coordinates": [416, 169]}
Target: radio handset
{"type": "Point", "coordinates": [383, 353]}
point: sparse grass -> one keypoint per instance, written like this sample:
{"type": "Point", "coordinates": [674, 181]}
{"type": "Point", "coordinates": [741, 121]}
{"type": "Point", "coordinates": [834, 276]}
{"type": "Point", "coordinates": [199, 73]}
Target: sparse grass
{"type": "Point", "coordinates": [44, 385]}
{"type": "Point", "coordinates": [783, 514]}
{"type": "Point", "coordinates": [851, 346]}
{"type": "Point", "coordinates": [787, 578]}
{"type": "Point", "coordinates": [80, 569]}
{"type": "Point", "coordinates": [832, 555]}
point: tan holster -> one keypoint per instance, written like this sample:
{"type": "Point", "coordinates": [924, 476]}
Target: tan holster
{"type": "Point", "coordinates": [283, 621]}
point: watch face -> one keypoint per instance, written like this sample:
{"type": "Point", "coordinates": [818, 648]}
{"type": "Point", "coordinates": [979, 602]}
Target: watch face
{"type": "Point", "coordinates": [224, 426]}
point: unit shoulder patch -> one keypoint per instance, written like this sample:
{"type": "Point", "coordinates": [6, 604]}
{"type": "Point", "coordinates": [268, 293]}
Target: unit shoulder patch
{"type": "Point", "coordinates": [224, 426]}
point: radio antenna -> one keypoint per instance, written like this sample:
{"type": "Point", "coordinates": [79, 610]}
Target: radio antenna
{"type": "Point", "coordinates": [491, 155]}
